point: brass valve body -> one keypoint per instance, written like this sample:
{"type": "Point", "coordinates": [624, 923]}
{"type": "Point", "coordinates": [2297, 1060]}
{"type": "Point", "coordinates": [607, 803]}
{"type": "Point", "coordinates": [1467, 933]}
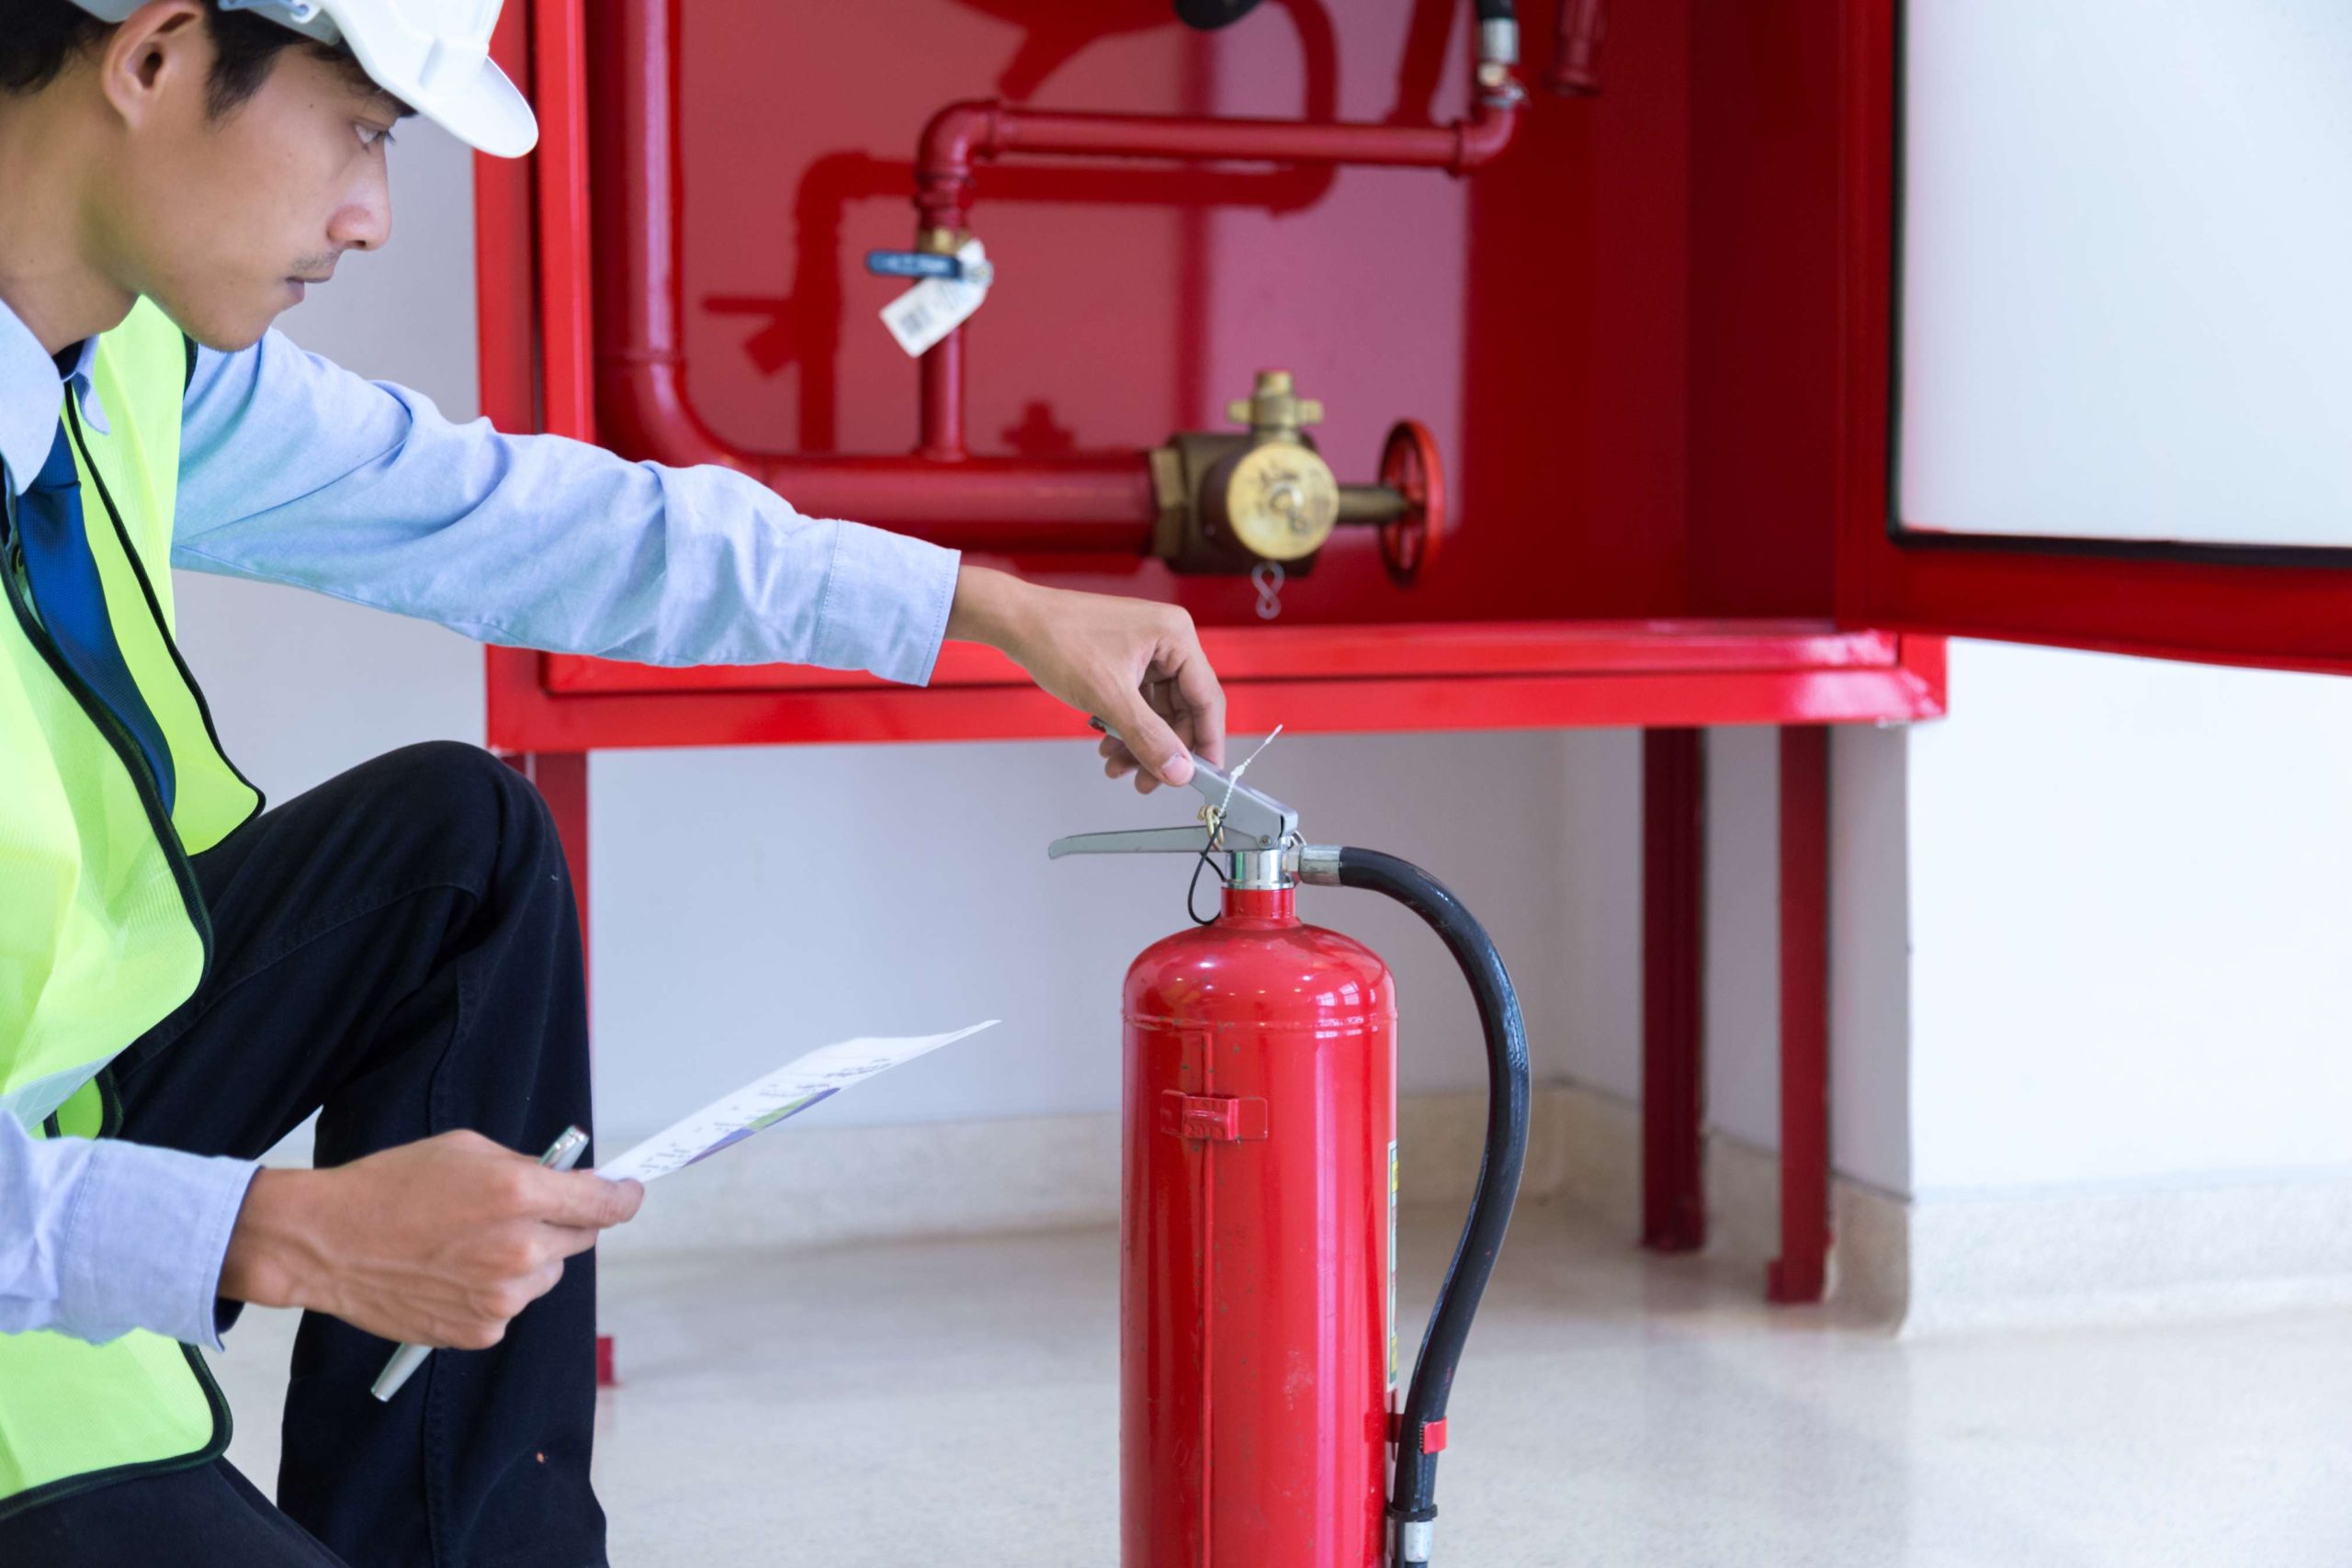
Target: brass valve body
{"type": "Point", "coordinates": [1276, 501]}
{"type": "Point", "coordinates": [1227, 503]}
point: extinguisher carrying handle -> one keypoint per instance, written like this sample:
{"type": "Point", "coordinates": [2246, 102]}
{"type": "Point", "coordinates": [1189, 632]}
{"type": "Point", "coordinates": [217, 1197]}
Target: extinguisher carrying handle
{"type": "Point", "coordinates": [1413, 1503]}
{"type": "Point", "coordinates": [1191, 841]}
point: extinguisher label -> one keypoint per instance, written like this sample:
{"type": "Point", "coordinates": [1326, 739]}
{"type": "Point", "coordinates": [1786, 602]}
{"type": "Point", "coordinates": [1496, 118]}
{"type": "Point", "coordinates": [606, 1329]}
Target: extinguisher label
{"type": "Point", "coordinates": [1392, 1266]}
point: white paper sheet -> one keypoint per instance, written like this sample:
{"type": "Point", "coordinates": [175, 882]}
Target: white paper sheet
{"type": "Point", "coordinates": [785, 1092]}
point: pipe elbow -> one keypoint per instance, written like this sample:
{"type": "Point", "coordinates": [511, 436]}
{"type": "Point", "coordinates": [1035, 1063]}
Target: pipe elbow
{"type": "Point", "coordinates": [642, 413]}
{"type": "Point", "coordinates": [956, 137]}
{"type": "Point", "coordinates": [1491, 127]}
{"type": "Point", "coordinates": [953, 140]}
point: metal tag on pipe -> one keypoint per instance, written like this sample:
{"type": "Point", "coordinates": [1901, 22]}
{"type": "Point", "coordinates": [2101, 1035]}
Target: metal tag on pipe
{"type": "Point", "coordinates": [926, 313]}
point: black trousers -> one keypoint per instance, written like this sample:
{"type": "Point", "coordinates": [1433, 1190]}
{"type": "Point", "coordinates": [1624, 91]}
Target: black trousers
{"type": "Point", "coordinates": [397, 950]}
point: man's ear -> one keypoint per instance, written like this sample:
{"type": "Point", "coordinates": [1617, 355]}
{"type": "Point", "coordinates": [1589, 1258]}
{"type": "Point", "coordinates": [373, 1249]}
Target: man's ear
{"type": "Point", "coordinates": [160, 52]}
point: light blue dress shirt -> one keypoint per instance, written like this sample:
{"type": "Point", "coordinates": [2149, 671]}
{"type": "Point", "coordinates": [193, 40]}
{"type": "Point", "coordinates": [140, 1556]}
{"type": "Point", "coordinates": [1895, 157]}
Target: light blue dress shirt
{"type": "Point", "coordinates": [293, 469]}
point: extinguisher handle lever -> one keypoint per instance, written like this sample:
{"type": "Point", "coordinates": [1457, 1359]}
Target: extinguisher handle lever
{"type": "Point", "coordinates": [1191, 841]}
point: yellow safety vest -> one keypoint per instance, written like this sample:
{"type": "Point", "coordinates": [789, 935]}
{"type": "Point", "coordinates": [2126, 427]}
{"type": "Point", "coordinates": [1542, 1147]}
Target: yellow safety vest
{"type": "Point", "coordinates": [102, 929]}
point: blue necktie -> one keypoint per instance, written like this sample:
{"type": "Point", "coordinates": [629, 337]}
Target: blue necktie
{"type": "Point", "coordinates": [73, 602]}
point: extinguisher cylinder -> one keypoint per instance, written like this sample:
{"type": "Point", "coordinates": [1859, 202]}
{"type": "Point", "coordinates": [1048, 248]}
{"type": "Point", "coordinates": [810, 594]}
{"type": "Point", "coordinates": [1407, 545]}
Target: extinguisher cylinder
{"type": "Point", "coordinates": [1257, 1351]}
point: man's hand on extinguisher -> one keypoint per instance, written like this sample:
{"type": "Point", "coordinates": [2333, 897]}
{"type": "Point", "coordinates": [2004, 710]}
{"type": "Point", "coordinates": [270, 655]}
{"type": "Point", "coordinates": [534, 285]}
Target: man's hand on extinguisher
{"type": "Point", "coordinates": [1135, 665]}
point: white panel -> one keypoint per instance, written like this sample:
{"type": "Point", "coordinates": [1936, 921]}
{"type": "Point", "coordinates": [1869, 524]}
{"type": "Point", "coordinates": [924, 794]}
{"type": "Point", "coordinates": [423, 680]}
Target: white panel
{"type": "Point", "coordinates": [2127, 229]}
{"type": "Point", "coordinates": [2128, 924]}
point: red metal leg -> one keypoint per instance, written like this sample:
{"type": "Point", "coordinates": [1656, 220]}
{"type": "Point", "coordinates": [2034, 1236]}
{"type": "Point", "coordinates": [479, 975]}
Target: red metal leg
{"type": "Point", "coordinates": [1800, 1273]}
{"type": "Point", "coordinates": [563, 781]}
{"type": "Point", "coordinates": [1674, 804]}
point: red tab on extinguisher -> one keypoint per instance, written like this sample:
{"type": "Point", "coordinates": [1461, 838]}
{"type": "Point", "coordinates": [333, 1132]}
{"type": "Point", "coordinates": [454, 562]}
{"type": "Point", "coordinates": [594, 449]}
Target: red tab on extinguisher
{"type": "Point", "coordinates": [1213, 1118]}
{"type": "Point", "coordinates": [1432, 1433]}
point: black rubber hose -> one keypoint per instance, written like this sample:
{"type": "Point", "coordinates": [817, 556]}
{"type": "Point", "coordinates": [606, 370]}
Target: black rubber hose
{"type": "Point", "coordinates": [1414, 1496]}
{"type": "Point", "coordinates": [1207, 16]}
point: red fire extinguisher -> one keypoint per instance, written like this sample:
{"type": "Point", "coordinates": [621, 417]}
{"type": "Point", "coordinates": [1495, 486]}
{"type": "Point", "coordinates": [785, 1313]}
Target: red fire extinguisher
{"type": "Point", "coordinates": [1261, 1422]}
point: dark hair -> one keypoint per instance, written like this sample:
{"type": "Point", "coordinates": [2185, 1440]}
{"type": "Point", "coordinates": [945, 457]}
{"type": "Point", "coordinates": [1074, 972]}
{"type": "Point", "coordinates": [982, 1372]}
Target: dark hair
{"type": "Point", "coordinates": [37, 37]}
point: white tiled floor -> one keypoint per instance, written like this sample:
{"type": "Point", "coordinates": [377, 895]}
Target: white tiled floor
{"type": "Point", "coordinates": [956, 1401]}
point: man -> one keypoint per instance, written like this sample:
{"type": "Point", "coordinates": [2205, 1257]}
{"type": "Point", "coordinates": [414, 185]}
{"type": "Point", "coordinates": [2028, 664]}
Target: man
{"type": "Point", "coordinates": [185, 976]}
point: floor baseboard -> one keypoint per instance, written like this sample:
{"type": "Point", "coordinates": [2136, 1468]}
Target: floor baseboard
{"type": "Point", "coordinates": [1926, 1265]}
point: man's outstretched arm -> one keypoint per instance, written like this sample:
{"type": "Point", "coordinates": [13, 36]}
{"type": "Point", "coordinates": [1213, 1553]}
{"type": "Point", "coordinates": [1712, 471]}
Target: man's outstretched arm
{"type": "Point", "coordinates": [295, 470]}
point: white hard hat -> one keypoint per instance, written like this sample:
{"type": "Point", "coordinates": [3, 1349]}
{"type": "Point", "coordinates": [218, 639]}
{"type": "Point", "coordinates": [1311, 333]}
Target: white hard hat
{"type": "Point", "coordinates": [432, 55]}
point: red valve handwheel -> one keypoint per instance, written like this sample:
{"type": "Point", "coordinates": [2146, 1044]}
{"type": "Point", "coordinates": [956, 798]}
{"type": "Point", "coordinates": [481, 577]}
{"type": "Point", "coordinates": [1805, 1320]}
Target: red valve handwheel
{"type": "Point", "coordinates": [1409, 465]}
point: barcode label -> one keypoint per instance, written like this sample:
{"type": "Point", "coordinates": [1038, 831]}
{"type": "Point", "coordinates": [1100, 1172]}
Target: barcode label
{"type": "Point", "coordinates": [936, 306]}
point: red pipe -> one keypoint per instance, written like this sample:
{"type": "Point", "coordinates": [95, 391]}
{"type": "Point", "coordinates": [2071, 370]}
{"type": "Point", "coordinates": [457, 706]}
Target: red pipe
{"type": "Point", "coordinates": [1089, 500]}
{"type": "Point", "coordinates": [1101, 501]}
{"type": "Point", "coordinates": [941, 407]}
{"type": "Point", "coordinates": [966, 133]}
{"type": "Point", "coordinates": [976, 132]}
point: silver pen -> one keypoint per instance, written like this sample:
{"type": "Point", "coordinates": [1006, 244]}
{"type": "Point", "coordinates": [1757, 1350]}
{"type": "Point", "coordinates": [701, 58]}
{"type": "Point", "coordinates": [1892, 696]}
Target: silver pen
{"type": "Point", "coordinates": [563, 1154]}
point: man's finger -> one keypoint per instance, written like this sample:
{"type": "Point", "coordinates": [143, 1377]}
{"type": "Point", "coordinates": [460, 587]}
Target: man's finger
{"type": "Point", "coordinates": [583, 1198]}
{"type": "Point", "coordinates": [572, 1240]}
{"type": "Point", "coordinates": [1197, 688]}
{"type": "Point", "coordinates": [1187, 723]}
{"type": "Point", "coordinates": [1152, 743]}
{"type": "Point", "coordinates": [546, 1279]}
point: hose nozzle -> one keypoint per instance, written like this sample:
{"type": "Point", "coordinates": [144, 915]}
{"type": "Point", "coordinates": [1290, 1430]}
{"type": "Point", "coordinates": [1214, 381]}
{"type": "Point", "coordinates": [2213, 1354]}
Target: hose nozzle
{"type": "Point", "coordinates": [1576, 53]}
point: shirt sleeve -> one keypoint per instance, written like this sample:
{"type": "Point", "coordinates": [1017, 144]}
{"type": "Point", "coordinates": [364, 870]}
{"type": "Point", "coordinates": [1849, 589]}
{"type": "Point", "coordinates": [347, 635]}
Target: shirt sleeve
{"type": "Point", "coordinates": [100, 1238]}
{"type": "Point", "coordinates": [295, 470]}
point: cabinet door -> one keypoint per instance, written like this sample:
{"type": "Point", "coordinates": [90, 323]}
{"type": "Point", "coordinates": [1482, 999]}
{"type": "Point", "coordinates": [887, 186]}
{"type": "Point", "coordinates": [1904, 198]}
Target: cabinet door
{"type": "Point", "coordinates": [2097, 323]}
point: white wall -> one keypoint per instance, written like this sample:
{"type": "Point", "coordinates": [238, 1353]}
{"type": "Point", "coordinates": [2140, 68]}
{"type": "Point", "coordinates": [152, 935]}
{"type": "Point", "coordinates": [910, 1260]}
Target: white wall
{"type": "Point", "coordinates": [2092, 930]}
{"type": "Point", "coordinates": [1869, 948]}
{"type": "Point", "coordinates": [1871, 1000]}
{"type": "Point", "coordinates": [749, 901]}
{"type": "Point", "coordinates": [2130, 923]}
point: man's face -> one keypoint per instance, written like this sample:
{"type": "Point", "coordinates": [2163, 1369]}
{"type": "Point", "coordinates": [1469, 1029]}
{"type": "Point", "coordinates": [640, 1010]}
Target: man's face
{"type": "Point", "coordinates": [223, 220]}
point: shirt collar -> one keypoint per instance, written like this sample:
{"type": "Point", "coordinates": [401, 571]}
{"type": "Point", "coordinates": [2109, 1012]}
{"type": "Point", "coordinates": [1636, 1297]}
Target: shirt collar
{"type": "Point", "coordinates": [28, 398]}
{"type": "Point", "coordinates": [83, 379]}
